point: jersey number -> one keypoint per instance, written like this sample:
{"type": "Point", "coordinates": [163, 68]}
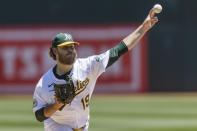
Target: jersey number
{"type": "Point", "coordinates": [85, 102]}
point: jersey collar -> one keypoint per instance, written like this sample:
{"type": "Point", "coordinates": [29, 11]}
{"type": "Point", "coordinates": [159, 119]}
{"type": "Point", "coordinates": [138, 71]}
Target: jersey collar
{"type": "Point", "coordinates": [64, 76]}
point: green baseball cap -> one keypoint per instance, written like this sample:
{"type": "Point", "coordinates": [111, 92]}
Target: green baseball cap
{"type": "Point", "coordinates": [63, 39]}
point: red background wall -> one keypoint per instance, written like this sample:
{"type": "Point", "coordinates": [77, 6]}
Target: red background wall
{"type": "Point", "coordinates": [24, 56]}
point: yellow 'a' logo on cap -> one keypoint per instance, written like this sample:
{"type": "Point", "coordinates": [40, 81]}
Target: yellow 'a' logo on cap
{"type": "Point", "coordinates": [68, 37]}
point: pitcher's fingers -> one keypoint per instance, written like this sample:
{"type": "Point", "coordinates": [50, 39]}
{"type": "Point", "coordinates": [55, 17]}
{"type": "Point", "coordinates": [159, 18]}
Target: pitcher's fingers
{"type": "Point", "coordinates": [152, 13]}
{"type": "Point", "coordinates": [154, 19]}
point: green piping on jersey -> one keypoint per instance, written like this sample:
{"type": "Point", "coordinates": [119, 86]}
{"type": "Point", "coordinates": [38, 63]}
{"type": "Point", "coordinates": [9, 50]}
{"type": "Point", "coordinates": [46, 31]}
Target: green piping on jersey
{"type": "Point", "coordinates": [116, 52]}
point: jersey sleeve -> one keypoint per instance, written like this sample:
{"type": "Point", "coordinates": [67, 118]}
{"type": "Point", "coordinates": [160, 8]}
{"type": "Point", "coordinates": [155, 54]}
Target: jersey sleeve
{"type": "Point", "coordinates": [98, 63]}
{"type": "Point", "coordinates": [38, 98]}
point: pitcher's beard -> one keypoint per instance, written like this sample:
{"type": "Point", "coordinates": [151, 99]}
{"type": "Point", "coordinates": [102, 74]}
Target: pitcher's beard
{"type": "Point", "coordinates": [67, 59]}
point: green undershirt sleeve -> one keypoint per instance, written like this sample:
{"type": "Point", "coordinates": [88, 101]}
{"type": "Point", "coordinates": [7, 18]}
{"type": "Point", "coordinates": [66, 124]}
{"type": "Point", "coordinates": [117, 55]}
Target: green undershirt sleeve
{"type": "Point", "coordinates": [40, 115]}
{"type": "Point", "coordinates": [116, 52]}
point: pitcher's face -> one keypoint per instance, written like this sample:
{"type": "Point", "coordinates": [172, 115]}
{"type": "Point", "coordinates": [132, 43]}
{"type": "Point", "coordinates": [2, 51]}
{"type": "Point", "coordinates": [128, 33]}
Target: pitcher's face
{"type": "Point", "coordinates": [66, 54]}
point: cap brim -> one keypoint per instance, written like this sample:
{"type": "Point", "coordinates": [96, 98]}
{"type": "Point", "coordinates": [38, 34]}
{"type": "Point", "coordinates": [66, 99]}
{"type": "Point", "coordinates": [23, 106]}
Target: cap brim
{"type": "Point", "coordinates": [68, 43]}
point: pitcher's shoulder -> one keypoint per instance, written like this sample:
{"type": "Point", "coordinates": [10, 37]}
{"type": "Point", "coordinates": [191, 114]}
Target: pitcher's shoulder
{"type": "Point", "coordinates": [46, 79]}
{"type": "Point", "coordinates": [82, 63]}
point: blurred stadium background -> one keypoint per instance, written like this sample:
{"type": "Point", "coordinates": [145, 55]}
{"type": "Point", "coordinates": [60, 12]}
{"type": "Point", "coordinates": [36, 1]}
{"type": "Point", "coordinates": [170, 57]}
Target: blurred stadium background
{"type": "Point", "coordinates": [151, 88]}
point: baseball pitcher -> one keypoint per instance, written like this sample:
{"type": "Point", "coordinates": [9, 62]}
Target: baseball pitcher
{"type": "Point", "coordinates": [62, 95]}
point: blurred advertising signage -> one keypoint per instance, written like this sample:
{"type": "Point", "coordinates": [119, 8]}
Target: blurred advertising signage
{"type": "Point", "coordinates": [24, 56]}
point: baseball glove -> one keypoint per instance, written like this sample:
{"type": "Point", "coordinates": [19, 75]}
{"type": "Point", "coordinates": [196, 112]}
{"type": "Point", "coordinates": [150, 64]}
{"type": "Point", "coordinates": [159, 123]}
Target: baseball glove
{"type": "Point", "coordinates": [65, 93]}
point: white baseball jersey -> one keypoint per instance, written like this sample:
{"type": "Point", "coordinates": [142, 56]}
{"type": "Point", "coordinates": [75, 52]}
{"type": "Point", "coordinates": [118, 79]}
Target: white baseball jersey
{"type": "Point", "coordinates": [84, 74]}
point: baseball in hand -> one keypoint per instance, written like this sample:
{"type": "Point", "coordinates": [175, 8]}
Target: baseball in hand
{"type": "Point", "coordinates": [157, 8]}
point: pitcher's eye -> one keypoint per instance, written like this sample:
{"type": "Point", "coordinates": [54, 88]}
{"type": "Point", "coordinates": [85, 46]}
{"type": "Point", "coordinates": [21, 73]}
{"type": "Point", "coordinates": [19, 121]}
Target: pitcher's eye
{"type": "Point", "coordinates": [68, 47]}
